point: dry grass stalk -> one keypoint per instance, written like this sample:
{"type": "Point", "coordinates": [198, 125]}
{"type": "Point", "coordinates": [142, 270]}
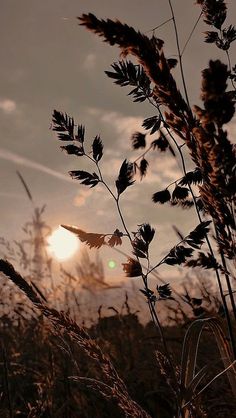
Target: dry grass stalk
{"type": "Point", "coordinates": [209, 147]}
{"type": "Point", "coordinates": [64, 325]}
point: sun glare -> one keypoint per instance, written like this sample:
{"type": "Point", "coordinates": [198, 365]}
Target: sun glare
{"type": "Point", "coordinates": [62, 244]}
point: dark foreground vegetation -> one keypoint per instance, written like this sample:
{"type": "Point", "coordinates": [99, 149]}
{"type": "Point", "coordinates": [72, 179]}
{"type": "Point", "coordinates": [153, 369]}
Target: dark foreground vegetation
{"type": "Point", "coordinates": [35, 367]}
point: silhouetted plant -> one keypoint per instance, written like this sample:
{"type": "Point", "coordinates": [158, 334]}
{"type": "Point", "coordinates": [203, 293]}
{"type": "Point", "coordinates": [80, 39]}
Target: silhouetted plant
{"type": "Point", "coordinates": [201, 131]}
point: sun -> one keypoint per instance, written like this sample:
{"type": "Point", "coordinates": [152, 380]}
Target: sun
{"type": "Point", "coordinates": [62, 244]}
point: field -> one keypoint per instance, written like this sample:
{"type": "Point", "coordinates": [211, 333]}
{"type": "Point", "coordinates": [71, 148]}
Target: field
{"type": "Point", "coordinates": [36, 368]}
{"type": "Point", "coordinates": [76, 344]}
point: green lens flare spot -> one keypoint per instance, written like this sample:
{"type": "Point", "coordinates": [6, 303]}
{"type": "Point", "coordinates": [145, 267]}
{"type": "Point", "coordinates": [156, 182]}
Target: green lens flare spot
{"type": "Point", "coordinates": [111, 264]}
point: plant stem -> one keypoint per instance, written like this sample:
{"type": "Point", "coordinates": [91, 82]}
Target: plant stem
{"type": "Point", "coordinates": [6, 375]}
{"type": "Point", "coordinates": [190, 35]}
{"type": "Point", "coordinates": [156, 322]}
{"type": "Point", "coordinates": [229, 60]}
{"type": "Point", "coordinates": [228, 281]}
{"type": "Point", "coordinates": [151, 304]}
{"type": "Point", "coordinates": [230, 329]}
{"type": "Point", "coordinates": [154, 273]}
{"type": "Point", "coordinates": [122, 219]}
{"type": "Point", "coordinates": [159, 26]}
{"type": "Point", "coordinates": [228, 319]}
{"type": "Point", "coordinates": [144, 153]}
{"type": "Point", "coordinates": [179, 54]}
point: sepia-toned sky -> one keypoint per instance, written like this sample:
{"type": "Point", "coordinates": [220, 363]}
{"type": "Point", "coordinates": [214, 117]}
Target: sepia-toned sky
{"type": "Point", "coordinates": [49, 62]}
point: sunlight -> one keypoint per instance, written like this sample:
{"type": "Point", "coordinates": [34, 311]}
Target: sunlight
{"type": "Point", "coordinates": [62, 244]}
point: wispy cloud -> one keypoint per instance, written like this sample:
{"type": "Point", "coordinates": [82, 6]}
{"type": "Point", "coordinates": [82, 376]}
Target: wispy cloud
{"type": "Point", "coordinates": [163, 169]}
{"type": "Point", "coordinates": [18, 159]}
{"type": "Point", "coordinates": [7, 106]}
{"type": "Point", "coordinates": [81, 198]}
{"type": "Point", "coordinates": [122, 126]}
{"type": "Point", "coordinates": [125, 126]}
{"type": "Point", "coordinates": [90, 197]}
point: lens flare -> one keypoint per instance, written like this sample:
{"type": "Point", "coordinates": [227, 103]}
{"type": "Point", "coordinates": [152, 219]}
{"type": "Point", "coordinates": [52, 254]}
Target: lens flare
{"type": "Point", "coordinates": [111, 264]}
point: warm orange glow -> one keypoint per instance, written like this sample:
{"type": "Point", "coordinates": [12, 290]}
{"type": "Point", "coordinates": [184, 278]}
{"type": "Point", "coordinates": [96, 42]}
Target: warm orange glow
{"type": "Point", "coordinates": [62, 244]}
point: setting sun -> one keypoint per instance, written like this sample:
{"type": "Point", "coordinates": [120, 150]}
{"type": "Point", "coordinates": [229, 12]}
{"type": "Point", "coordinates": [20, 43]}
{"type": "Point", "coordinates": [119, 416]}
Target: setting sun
{"type": "Point", "coordinates": [62, 244]}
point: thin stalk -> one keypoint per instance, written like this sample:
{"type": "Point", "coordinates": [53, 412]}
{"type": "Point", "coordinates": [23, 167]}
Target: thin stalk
{"type": "Point", "coordinates": [230, 69]}
{"type": "Point", "coordinates": [165, 346]}
{"type": "Point", "coordinates": [191, 34]}
{"type": "Point", "coordinates": [151, 306]}
{"type": "Point", "coordinates": [227, 280]}
{"type": "Point", "coordinates": [229, 61]}
{"type": "Point", "coordinates": [154, 273]}
{"type": "Point", "coordinates": [122, 219]}
{"type": "Point", "coordinates": [143, 154]}
{"type": "Point", "coordinates": [156, 321]}
{"type": "Point", "coordinates": [230, 329]}
{"type": "Point", "coordinates": [6, 375]}
{"type": "Point", "coordinates": [158, 264]}
{"type": "Point", "coordinates": [117, 204]}
{"type": "Point", "coordinates": [211, 381]}
{"type": "Point", "coordinates": [159, 26]}
{"type": "Point", "coordinates": [179, 54]}
{"type": "Point", "coordinates": [150, 303]}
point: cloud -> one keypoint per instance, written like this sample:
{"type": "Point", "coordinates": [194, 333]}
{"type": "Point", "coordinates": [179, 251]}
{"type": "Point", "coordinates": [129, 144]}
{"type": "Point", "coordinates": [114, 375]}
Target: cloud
{"type": "Point", "coordinates": [7, 106]}
{"type": "Point", "coordinates": [17, 159]}
{"type": "Point", "coordinates": [125, 126]}
{"type": "Point", "coordinates": [89, 62]}
{"type": "Point", "coordinates": [163, 169]}
{"type": "Point", "coordinates": [111, 166]}
{"type": "Point", "coordinates": [81, 198]}
{"type": "Point", "coordinates": [231, 129]}
{"type": "Point", "coordinates": [91, 197]}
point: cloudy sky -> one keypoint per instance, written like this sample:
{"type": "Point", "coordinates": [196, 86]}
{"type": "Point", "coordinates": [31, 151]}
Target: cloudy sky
{"type": "Point", "coordinates": [49, 62]}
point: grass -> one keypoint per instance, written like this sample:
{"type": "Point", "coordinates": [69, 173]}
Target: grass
{"type": "Point", "coordinates": [38, 371]}
{"type": "Point", "coordinates": [64, 366]}
{"type": "Point", "coordinates": [118, 365]}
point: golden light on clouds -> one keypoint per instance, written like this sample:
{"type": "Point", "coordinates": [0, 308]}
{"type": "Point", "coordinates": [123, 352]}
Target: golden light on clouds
{"type": "Point", "coordinates": [62, 244]}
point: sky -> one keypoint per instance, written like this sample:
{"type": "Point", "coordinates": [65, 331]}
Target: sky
{"type": "Point", "coordinates": [50, 62]}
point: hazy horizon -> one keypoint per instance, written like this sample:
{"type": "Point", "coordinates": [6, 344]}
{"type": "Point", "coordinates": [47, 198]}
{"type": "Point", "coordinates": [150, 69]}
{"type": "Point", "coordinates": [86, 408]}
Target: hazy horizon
{"type": "Point", "coordinates": [50, 62]}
